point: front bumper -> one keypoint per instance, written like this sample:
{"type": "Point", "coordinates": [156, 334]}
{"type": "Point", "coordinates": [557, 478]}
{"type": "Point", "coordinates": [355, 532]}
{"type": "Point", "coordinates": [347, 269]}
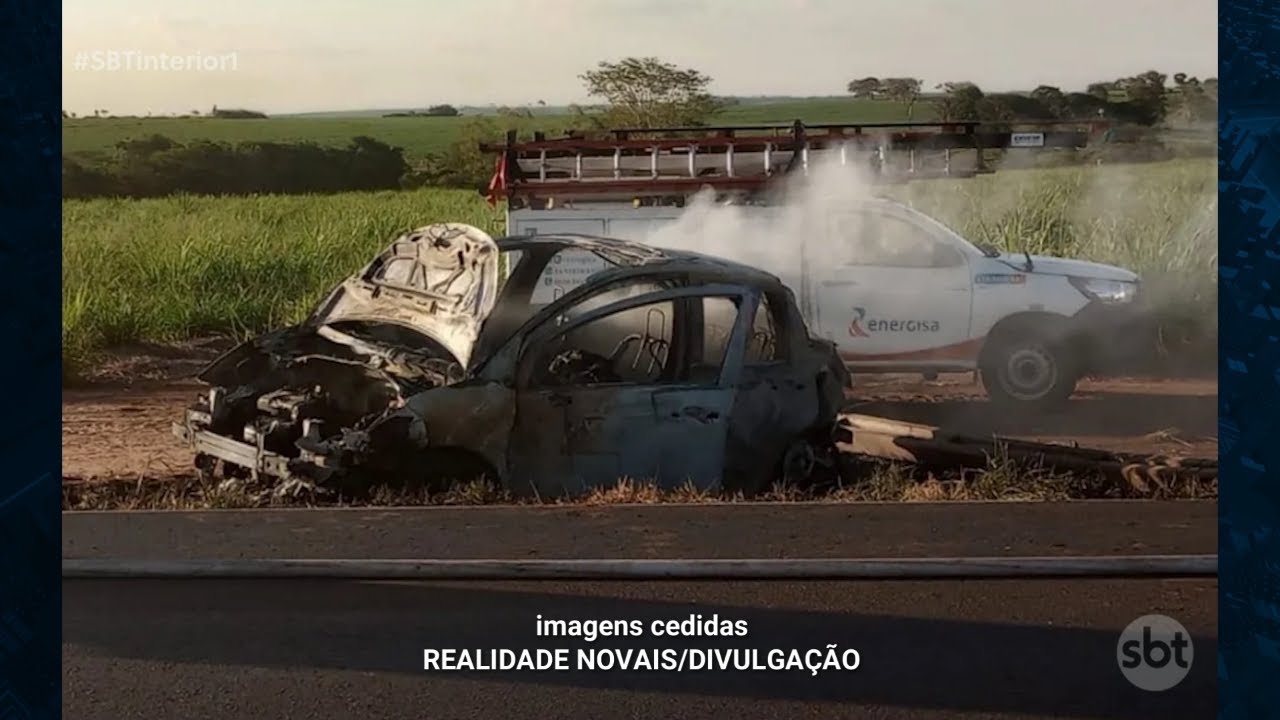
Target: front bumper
{"type": "Point", "coordinates": [256, 460]}
{"type": "Point", "coordinates": [1115, 339]}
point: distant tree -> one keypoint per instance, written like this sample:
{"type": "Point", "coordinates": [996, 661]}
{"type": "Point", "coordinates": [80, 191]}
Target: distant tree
{"type": "Point", "coordinates": [81, 180]}
{"type": "Point", "coordinates": [961, 101]}
{"type": "Point", "coordinates": [145, 146]}
{"type": "Point", "coordinates": [1053, 100]}
{"type": "Point", "coordinates": [867, 87]}
{"type": "Point", "coordinates": [462, 164]}
{"type": "Point", "coordinates": [237, 114]}
{"type": "Point", "coordinates": [1191, 101]}
{"type": "Point", "coordinates": [1100, 90]}
{"type": "Point", "coordinates": [1146, 94]}
{"type": "Point", "coordinates": [1085, 105]}
{"type": "Point", "coordinates": [903, 90]}
{"type": "Point", "coordinates": [1014, 106]}
{"type": "Point", "coordinates": [650, 93]}
{"type": "Point", "coordinates": [443, 111]}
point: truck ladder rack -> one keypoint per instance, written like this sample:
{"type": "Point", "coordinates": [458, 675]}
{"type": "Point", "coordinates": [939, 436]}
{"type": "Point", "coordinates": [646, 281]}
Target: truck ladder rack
{"type": "Point", "coordinates": [632, 164]}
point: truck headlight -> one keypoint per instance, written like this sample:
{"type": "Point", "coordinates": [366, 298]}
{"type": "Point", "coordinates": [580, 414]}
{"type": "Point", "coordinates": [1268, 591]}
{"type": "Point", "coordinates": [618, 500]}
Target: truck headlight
{"type": "Point", "coordinates": [1112, 292]}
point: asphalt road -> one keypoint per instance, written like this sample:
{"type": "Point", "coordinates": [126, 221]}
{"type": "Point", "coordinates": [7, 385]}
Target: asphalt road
{"type": "Point", "coordinates": [316, 649]}
{"type": "Point", "coordinates": [654, 531]}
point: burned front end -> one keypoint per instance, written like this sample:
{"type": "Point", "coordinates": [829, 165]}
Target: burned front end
{"type": "Point", "coordinates": [293, 405]}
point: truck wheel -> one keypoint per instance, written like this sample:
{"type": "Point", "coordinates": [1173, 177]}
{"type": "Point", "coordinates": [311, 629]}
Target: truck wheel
{"type": "Point", "coordinates": [1028, 371]}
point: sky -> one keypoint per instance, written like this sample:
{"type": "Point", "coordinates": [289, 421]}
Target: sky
{"type": "Point", "coordinates": [282, 56]}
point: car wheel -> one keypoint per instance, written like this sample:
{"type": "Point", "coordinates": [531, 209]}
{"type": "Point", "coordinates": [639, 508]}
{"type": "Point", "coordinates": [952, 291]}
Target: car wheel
{"type": "Point", "coordinates": [1028, 371]}
{"type": "Point", "coordinates": [799, 461]}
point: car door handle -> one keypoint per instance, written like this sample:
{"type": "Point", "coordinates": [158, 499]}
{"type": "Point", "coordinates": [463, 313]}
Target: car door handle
{"type": "Point", "coordinates": [839, 283]}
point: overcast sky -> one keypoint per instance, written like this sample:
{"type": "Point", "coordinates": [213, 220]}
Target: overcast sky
{"type": "Point", "coordinates": [305, 55]}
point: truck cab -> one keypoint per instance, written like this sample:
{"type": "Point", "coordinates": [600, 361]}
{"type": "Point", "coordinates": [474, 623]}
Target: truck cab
{"type": "Point", "coordinates": [895, 289]}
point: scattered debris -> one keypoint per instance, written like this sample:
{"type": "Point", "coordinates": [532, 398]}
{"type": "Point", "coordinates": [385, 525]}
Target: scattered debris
{"type": "Point", "coordinates": [1168, 435]}
{"type": "Point", "coordinates": [931, 447]}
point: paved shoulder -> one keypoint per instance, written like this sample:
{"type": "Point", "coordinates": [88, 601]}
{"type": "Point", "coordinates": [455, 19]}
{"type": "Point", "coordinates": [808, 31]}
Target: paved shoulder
{"type": "Point", "coordinates": [658, 531]}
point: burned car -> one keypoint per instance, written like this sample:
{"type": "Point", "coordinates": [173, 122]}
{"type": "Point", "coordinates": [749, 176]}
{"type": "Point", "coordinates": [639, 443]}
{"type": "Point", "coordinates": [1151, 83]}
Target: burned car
{"type": "Point", "coordinates": [668, 367]}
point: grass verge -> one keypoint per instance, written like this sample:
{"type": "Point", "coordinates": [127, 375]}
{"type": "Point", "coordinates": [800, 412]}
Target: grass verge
{"type": "Point", "coordinates": [1001, 480]}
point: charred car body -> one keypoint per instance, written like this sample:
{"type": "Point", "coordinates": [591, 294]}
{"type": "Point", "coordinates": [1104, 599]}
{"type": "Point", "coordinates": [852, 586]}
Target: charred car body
{"type": "Point", "coordinates": [669, 367]}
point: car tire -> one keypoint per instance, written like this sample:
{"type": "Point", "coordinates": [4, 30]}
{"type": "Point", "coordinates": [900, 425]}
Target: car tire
{"type": "Point", "coordinates": [798, 463]}
{"type": "Point", "coordinates": [1028, 371]}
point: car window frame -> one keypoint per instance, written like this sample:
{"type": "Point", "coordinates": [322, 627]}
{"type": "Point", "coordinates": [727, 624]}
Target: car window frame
{"type": "Point", "coordinates": [584, 293]}
{"type": "Point", "coordinates": [548, 330]}
{"type": "Point", "coordinates": [778, 318]}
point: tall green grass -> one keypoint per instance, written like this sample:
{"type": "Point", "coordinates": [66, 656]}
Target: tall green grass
{"type": "Point", "coordinates": [182, 267]}
{"type": "Point", "coordinates": [1158, 219]}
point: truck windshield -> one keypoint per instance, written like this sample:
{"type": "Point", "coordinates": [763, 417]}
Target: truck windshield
{"type": "Point", "coordinates": [984, 248]}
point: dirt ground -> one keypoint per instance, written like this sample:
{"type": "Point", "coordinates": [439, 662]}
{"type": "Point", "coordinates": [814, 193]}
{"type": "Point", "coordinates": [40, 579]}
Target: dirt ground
{"type": "Point", "coordinates": [1149, 416]}
{"type": "Point", "coordinates": [116, 423]}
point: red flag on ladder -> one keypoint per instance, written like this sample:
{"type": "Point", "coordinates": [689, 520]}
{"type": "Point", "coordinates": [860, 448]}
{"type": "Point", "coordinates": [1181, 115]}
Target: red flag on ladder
{"type": "Point", "coordinates": [498, 183]}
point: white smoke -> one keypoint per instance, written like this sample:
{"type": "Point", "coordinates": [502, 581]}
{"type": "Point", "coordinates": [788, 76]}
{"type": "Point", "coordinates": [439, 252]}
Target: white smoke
{"type": "Point", "coordinates": [772, 238]}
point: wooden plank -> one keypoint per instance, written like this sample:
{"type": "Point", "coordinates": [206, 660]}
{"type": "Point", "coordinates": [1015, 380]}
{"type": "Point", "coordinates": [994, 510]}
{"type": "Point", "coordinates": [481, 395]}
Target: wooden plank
{"type": "Point", "coordinates": [926, 445]}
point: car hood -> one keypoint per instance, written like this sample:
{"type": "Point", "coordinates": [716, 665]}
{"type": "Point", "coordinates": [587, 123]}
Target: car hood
{"type": "Point", "coordinates": [440, 280]}
{"type": "Point", "coordinates": [1045, 265]}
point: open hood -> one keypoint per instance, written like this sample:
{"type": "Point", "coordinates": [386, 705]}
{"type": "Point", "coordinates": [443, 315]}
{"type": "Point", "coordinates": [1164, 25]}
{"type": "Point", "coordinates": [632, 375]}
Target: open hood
{"type": "Point", "coordinates": [440, 280]}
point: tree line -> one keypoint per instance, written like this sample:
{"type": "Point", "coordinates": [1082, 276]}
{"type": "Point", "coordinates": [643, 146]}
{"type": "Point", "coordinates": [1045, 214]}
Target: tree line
{"type": "Point", "coordinates": [215, 112]}
{"type": "Point", "coordinates": [155, 166]}
{"type": "Point", "coordinates": [1145, 99]}
{"type": "Point", "coordinates": [635, 93]}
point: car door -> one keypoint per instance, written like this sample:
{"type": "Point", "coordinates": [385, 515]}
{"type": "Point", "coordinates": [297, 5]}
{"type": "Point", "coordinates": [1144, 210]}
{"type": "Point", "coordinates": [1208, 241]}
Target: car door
{"type": "Point", "coordinates": [625, 391]}
{"type": "Point", "coordinates": [891, 290]}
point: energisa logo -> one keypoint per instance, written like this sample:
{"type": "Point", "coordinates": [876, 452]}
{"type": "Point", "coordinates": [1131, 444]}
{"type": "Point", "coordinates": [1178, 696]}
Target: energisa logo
{"type": "Point", "coordinates": [862, 326]}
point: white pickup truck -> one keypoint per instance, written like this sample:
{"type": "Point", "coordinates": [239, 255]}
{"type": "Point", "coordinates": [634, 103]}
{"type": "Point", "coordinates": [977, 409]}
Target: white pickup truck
{"type": "Point", "coordinates": [898, 291]}
{"type": "Point", "coordinates": [895, 289]}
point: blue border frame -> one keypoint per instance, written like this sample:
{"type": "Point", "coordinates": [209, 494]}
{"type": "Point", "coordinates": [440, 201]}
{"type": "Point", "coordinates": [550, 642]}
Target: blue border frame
{"type": "Point", "coordinates": [1249, 183]}
{"type": "Point", "coordinates": [30, 417]}
{"type": "Point", "coordinates": [1249, 270]}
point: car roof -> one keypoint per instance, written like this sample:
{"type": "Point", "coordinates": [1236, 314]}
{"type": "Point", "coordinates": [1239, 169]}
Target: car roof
{"type": "Point", "coordinates": [637, 259]}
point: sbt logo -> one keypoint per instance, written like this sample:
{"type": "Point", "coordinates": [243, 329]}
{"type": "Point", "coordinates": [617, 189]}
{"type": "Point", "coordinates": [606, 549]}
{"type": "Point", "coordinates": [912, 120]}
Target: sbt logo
{"type": "Point", "coordinates": [1155, 652]}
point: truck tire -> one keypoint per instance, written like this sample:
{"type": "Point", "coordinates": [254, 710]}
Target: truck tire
{"type": "Point", "coordinates": [1026, 370]}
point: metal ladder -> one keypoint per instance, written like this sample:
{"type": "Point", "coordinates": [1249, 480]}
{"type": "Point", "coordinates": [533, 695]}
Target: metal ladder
{"type": "Point", "coordinates": [619, 162]}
